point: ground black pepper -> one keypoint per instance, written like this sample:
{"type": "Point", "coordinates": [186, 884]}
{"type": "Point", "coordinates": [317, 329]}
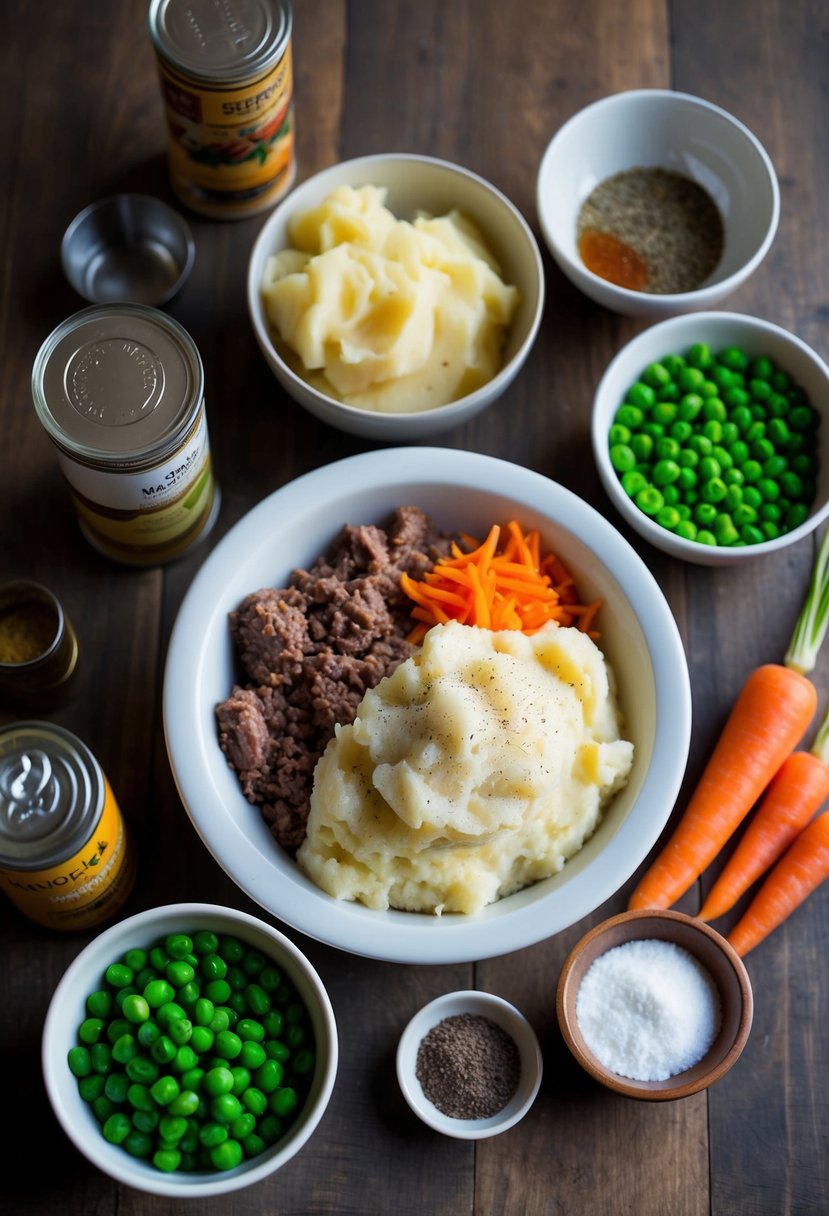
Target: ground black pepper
{"type": "Point", "coordinates": [468, 1066]}
{"type": "Point", "coordinates": [667, 230]}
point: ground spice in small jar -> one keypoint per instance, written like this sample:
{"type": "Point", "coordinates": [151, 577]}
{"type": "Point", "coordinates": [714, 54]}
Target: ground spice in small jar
{"type": "Point", "coordinates": [651, 230]}
{"type": "Point", "coordinates": [468, 1066]}
{"type": "Point", "coordinates": [38, 646]}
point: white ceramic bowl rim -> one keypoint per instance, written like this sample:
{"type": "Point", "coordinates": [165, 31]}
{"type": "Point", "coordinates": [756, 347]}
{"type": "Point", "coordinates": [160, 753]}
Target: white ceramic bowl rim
{"type": "Point", "coordinates": [688, 299]}
{"type": "Point", "coordinates": [681, 332]}
{"type": "Point", "coordinates": [500, 1011]}
{"type": "Point", "coordinates": [492, 387]}
{"type": "Point", "coordinates": [190, 731]}
{"type": "Point", "coordinates": [83, 972]}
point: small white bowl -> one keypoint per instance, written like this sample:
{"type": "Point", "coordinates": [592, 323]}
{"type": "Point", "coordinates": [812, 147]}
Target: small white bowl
{"type": "Point", "coordinates": [413, 183]}
{"type": "Point", "coordinates": [650, 128]}
{"type": "Point", "coordinates": [718, 330]}
{"type": "Point", "coordinates": [67, 1010]}
{"type": "Point", "coordinates": [505, 1015]}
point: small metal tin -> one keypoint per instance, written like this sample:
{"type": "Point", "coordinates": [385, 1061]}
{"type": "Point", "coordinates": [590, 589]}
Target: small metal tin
{"type": "Point", "coordinates": [119, 389]}
{"type": "Point", "coordinates": [66, 859]}
{"type": "Point", "coordinates": [38, 646]}
{"type": "Point", "coordinates": [227, 82]}
{"type": "Point", "coordinates": [128, 247]}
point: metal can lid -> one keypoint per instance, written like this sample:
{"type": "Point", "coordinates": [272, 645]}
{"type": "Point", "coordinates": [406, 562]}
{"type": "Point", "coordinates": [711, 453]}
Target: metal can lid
{"type": "Point", "coordinates": [222, 43]}
{"type": "Point", "coordinates": [51, 795]}
{"type": "Point", "coordinates": [117, 383]}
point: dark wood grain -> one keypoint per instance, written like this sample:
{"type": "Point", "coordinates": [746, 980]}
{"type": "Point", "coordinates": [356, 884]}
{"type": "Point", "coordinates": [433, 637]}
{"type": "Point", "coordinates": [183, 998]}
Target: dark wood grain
{"type": "Point", "coordinates": [485, 84]}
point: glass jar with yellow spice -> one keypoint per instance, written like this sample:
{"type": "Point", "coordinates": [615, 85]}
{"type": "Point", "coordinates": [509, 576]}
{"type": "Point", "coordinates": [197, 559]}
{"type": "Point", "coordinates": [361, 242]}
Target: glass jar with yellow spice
{"type": "Point", "coordinates": [38, 646]}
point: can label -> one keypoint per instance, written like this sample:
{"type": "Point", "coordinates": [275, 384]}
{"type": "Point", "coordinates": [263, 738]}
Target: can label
{"type": "Point", "coordinates": [231, 147]}
{"type": "Point", "coordinates": [153, 508]}
{"type": "Point", "coordinates": [67, 863]}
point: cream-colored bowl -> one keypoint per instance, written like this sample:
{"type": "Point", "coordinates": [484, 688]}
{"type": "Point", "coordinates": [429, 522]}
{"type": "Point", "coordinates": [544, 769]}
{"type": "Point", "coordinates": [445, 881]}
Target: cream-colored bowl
{"type": "Point", "coordinates": [414, 183]}
{"type": "Point", "coordinates": [660, 128]}
{"type": "Point", "coordinates": [67, 1010]}
{"type": "Point", "coordinates": [718, 330]}
{"type": "Point", "coordinates": [461, 491]}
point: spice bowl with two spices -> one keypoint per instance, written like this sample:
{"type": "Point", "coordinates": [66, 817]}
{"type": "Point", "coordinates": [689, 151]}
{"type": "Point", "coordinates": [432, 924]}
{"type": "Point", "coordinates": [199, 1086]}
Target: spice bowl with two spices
{"type": "Point", "coordinates": [655, 203]}
{"type": "Point", "coordinates": [654, 1004]}
{"type": "Point", "coordinates": [469, 1064]}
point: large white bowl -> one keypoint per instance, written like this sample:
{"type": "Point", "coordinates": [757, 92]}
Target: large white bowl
{"type": "Point", "coordinates": [67, 1010]}
{"type": "Point", "coordinates": [718, 330]}
{"type": "Point", "coordinates": [460, 490]}
{"type": "Point", "coordinates": [659, 128]}
{"type": "Point", "coordinates": [414, 183]}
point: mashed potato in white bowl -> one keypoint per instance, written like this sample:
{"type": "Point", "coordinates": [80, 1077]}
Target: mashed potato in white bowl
{"type": "Point", "coordinates": [461, 491]}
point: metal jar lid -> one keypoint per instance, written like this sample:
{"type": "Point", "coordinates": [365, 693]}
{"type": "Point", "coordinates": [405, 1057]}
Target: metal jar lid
{"type": "Point", "coordinates": [51, 793]}
{"type": "Point", "coordinates": [220, 43]}
{"type": "Point", "coordinates": [117, 384]}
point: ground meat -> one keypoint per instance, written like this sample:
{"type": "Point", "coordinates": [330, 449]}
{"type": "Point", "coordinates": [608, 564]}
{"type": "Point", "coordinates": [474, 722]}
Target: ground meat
{"type": "Point", "coordinates": [308, 652]}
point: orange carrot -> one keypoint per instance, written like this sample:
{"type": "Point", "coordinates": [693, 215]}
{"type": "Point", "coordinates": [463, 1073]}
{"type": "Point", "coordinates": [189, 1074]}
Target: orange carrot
{"type": "Point", "coordinates": [511, 588]}
{"type": "Point", "coordinates": [797, 790]}
{"type": "Point", "coordinates": [798, 873]}
{"type": "Point", "coordinates": [771, 713]}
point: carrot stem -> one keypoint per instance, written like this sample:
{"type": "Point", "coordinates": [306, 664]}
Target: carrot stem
{"type": "Point", "coordinates": [810, 628]}
{"type": "Point", "coordinates": [798, 873]}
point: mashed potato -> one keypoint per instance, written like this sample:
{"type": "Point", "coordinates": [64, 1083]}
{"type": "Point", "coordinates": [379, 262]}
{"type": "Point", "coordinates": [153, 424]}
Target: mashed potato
{"type": "Point", "coordinates": [479, 766]}
{"type": "Point", "coordinates": [384, 314]}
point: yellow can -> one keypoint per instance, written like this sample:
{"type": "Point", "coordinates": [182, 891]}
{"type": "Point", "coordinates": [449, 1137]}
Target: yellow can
{"type": "Point", "coordinates": [66, 858]}
{"type": "Point", "coordinates": [227, 83]}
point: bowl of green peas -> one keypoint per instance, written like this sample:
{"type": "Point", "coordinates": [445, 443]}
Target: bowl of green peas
{"type": "Point", "coordinates": [189, 1050]}
{"type": "Point", "coordinates": [711, 437]}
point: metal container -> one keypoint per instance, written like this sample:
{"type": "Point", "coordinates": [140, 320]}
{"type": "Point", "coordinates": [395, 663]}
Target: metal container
{"type": "Point", "coordinates": [119, 390]}
{"type": "Point", "coordinates": [128, 247]}
{"type": "Point", "coordinates": [66, 858]}
{"type": "Point", "coordinates": [227, 83]}
{"type": "Point", "coordinates": [38, 646]}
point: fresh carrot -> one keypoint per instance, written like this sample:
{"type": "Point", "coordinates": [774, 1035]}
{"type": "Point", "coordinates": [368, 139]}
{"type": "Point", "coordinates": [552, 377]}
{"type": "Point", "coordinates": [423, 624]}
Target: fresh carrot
{"type": "Point", "coordinates": [771, 714]}
{"type": "Point", "coordinates": [798, 873]}
{"type": "Point", "coordinates": [513, 587]}
{"type": "Point", "coordinates": [798, 789]}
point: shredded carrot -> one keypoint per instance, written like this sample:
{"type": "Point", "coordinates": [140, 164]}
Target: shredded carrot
{"type": "Point", "coordinates": [514, 587]}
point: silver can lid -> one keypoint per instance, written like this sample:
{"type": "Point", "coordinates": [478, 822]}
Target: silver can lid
{"type": "Point", "coordinates": [51, 794]}
{"type": "Point", "coordinates": [117, 384]}
{"type": "Point", "coordinates": [220, 42]}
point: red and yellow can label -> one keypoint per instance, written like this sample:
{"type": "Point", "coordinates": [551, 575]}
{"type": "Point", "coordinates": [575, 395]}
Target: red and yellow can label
{"type": "Point", "coordinates": [231, 149]}
{"type": "Point", "coordinates": [85, 889]}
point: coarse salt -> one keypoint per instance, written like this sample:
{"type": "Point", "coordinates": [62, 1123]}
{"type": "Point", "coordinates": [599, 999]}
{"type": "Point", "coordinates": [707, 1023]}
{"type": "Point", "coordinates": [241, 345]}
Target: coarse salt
{"type": "Point", "coordinates": [648, 1010]}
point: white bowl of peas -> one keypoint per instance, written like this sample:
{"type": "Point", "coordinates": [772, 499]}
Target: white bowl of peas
{"type": "Point", "coordinates": [189, 1050]}
{"type": "Point", "coordinates": [710, 432]}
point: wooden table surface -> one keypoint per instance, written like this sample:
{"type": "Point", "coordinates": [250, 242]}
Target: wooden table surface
{"type": "Point", "coordinates": [485, 84]}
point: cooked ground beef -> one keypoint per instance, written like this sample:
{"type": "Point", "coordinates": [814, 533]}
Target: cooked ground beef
{"type": "Point", "coordinates": [308, 653]}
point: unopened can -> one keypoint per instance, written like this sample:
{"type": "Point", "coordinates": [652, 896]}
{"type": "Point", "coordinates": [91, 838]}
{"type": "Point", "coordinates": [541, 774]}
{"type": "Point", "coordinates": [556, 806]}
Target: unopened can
{"type": "Point", "coordinates": [227, 84]}
{"type": "Point", "coordinates": [66, 859]}
{"type": "Point", "coordinates": [119, 388]}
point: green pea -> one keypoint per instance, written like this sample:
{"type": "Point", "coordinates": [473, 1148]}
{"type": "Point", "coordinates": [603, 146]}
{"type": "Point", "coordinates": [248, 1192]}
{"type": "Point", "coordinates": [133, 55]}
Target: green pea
{"type": "Point", "coordinates": [619, 434]}
{"type": "Point", "coordinates": [252, 1054]}
{"type": "Point", "coordinates": [103, 1107]}
{"type": "Point", "coordinates": [257, 998]}
{"type": "Point", "coordinates": [734, 358]}
{"type": "Point", "coordinates": [633, 481]}
{"type": "Point", "coordinates": [769, 489]}
{"type": "Point", "coordinates": [185, 1103]}
{"type": "Point", "coordinates": [752, 470]}
{"type": "Point", "coordinates": [664, 413]}
{"type": "Point", "coordinates": [271, 977]}
{"type": "Point", "coordinates": [791, 484]}
{"type": "Point", "coordinates": [117, 1128]}
{"type": "Point", "coordinates": [775, 467]}
{"type": "Point", "coordinates": [202, 1039]}
{"type": "Point", "coordinates": [687, 479]}
{"type": "Point", "coordinates": [305, 1060]}
{"type": "Point", "coordinates": [277, 1050]}
{"type": "Point", "coordinates": [642, 446]}
{"type": "Point", "coordinates": [228, 1044]}
{"type": "Point", "coordinates": [283, 1101]}
{"type": "Point", "coordinates": [119, 975]}
{"type": "Point", "coordinates": [125, 1048]}
{"type": "Point", "coordinates": [217, 991]}
{"type": "Point", "coordinates": [269, 1075]}
{"type": "Point", "coordinates": [163, 1049]}
{"type": "Point", "coordinates": [672, 494]}
{"type": "Point", "coordinates": [147, 1034]}
{"type": "Point", "coordinates": [80, 1061]}
{"type": "Point", "coordinates": [689, 407]}
{"type": "Point", "coordinates": [158, 993]}
{"type": "Point", "coordinates": [135, 959]}
{"type": "Point", "coordinates": [205, 942]}
{"type": "Point", "coordinates": [136, 1008]}
{"type": "Point", "coordinates": [704, 537]}
{"type": "Point", "coordinates": [686, 529]}
{"type": "Point", "coordinates": [226, 1156]}
{"type": "Point", "coordinates": [115, 1087]}
{"type": "Point", "coordinates": [801, 418]}
{"type": "Point", "coordinates": [99, 1004]}
{"type": "Point", "coordinates": [642, 397]}
{"type": "Point", "coordinates": [165, 1089]}
{"type": "Point", "coordinates": [218, 1080]}
{"type": "Point", "coordinates": [797, 514]}
{"type": "Point", "coordinates": [142, 1070]}
{"type": "Point", "coordinates": [101, 1056]}
{"type": "Point", "coordinates": [139, 1097]}
{"type": "Point", "coordinates": [270, 1128]}
{"type": "Point", "coordinates": [178, 945]}
{"type": "Point", "coordinates": [184, 1059]}
{"type": "Point", "coordinates": [254, 1100]}
{"type": "Point", "coordinates": [744, 514]}
{"type": "Point", "coordinates": [654, 430]}
{"type": "Point", "coordinates": [90, 1030]}
{"type": "Point", "coordinates": [167, 1159]}
{"type": "Point", "coordinates": [752, 535]}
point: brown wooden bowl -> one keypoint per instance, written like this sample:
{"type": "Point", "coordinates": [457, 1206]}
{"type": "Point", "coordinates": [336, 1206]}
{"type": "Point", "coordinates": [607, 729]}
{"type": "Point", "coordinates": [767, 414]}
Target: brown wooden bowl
{"type": "Point", "coordinates": [711, 950]}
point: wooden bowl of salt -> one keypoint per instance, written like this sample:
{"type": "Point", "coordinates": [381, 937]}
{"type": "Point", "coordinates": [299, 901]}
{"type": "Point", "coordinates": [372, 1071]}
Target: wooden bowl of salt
{"type": "Point", "coordinates": [654, 1004]}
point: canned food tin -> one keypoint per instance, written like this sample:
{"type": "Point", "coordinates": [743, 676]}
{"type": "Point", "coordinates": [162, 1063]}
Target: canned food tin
{"type": "Point", "coordinates": [65, 854]}
{"type": "Point", "coordinates": [227, 84]}
{"type": "Point", "coordinates": [120, 391]}
{"type": "Point", "coordinates": [38, 646]}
